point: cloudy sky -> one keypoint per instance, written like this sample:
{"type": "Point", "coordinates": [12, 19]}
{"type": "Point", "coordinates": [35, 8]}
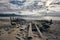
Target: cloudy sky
{"type": "Point", "coordinates": [47, 9]}
{"type": "Point", "coordinates": [29, 7]}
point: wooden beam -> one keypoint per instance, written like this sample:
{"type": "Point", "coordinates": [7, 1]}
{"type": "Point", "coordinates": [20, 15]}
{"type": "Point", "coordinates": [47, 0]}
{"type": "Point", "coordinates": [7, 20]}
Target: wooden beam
{"type": "Point", "coordinates": [30, 31]}
{"type": "Point", "coordinates": [40, 34]}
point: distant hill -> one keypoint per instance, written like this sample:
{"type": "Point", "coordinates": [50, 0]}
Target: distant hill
{"type": "Point", "coordinates": [8, 15]}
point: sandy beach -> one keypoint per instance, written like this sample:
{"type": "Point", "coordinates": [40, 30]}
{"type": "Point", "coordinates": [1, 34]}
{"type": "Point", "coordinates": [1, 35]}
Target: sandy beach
{"type": "Point", "coordinates": [10, 32]}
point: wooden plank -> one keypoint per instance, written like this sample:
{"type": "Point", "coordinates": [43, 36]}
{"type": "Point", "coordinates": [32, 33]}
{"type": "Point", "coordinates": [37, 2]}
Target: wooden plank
{"type": "Point", "coordinates": [30, 31]}
{"type": "Point", "coordinates": [41, 35]}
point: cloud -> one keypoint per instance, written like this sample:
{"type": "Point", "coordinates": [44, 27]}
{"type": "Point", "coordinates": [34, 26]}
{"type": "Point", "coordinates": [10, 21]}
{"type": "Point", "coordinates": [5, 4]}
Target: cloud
{"type": "Point", "coordinates": [28, 6]}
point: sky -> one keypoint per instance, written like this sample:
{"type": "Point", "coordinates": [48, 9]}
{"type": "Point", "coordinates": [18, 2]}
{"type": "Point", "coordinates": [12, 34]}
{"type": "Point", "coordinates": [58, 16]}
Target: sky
{"type": "Point", "coordinates": [29, 7]}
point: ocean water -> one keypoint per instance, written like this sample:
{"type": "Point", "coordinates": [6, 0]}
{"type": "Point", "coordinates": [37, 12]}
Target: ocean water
{"type": "Point", "coordinates": [34, 18]}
